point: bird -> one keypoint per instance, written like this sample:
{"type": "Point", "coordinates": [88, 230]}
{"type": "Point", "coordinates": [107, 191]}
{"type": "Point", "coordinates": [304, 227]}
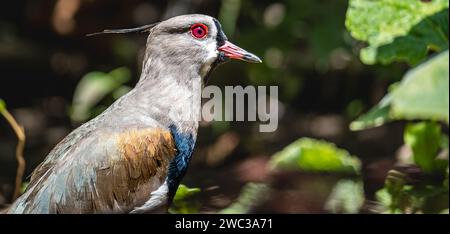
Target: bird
{"type": "Point", "coordinates": [131, 158]}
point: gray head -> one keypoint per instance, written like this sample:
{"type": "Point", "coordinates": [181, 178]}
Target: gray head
{"type": "Point", "coordinates": [195, 41]}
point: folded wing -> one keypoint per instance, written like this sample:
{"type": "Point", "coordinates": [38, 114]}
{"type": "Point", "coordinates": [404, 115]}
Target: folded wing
{"type": "Point", "coordinates": [99, 172]}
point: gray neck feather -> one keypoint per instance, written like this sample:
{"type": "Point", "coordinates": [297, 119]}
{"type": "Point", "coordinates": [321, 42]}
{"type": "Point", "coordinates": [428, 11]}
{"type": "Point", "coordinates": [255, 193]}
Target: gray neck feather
{"type": "Point", "coordinates": [169, 90]}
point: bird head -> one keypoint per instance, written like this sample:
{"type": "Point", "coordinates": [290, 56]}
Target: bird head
{"type": "Point", "coordinates": [190, 40]}
{"type": "Point", "coordinates": [196, 39]}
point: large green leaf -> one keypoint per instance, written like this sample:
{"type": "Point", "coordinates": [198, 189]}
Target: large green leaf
{"type": "Point", "coordinates": [311, 155]}
{"type": "Point", "coordinates": [422, 94]}
{"type": "Point", "coordinates": [398, 30]}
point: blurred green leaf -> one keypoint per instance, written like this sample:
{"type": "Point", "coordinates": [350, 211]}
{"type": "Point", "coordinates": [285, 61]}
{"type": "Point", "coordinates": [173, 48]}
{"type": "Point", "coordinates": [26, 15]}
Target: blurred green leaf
{"type": "Point", "coordinates": [425, 140]}
{"type": "Point", "coordinates": [122, 90]}
{"type": "Point", "coordinates": [347, 197]}
{"type": "Point", "coordinates": [445, 142]}
{"type": "Point", "coordinates": [386, 201]}
{"type": "Point", "coordinates": [228, 15]}
{"type": "Point", "coordinates": [183, 202]}
{"type": "Point", "coordinates": [398, 30]}
{"type": "Point", "coordinates": [424, 92]}
{"type": "Point", "coordinates": [383, 197]}
{"type": "Point", "coordinates": [354, 108]}
{"type": "Point", "coordinates": [376, 117]}
{"type": "Point", "coordinates": [2, 105]}
{"type": "Point", "coordinates": [251, 195]}
{"type": "Point", "coordinates": [24, 187]}
{"type": "Point", "coordinates": [315, 156]}
{"type": "Point", "coordinates": [431, 199]}
{"type": "Point", "coordinates": [394, 187]}
{"type": "Point", "coordinates": [92, 88]}
{"type": "Point", "coordinates": [184, 192]}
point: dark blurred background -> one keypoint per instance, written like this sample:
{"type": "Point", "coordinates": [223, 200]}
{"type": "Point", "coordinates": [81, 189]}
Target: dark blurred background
{"type": "Point", "coordinates": [307, 52]}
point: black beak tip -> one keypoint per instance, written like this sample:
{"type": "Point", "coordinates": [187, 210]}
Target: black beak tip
{"type": "Point", "coordinates": [252, 58]}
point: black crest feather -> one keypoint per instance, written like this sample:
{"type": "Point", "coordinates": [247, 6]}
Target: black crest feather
{"type": "Point", "coordinates": [145, 28]}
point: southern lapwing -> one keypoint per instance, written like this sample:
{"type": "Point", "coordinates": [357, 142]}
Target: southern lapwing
{"type": "Point", "coordinates": [132, 157]}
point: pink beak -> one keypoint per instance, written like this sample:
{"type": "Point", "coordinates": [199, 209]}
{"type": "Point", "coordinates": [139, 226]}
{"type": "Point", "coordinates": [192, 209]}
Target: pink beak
{"type": "Point", "coordinates": [234, 52]}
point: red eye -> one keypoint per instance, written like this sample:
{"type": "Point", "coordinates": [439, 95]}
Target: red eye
{"type": "Point", "coordinates": [199, 31]}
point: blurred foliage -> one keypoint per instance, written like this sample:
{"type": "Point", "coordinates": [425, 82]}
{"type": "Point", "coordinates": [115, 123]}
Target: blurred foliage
{"type": "Point", "coordinates": [311, 155]}
{"type": "Point", "coordinates": [424, 92]}
{"type": "Point", "coordinates": [19, 130]}
{"type": "Point", "coordinates": [376, 117]}
{"type": "Point", "coordinates": [307, 53]}
{"type": "Point", "coordinates": [403, 194]}
{"type": "Point", "coordinates": [251, 195]}
{"type": "Point", "coordinates": [24, 187]}
{"type": "Point", "coordinates": [347, 197]}
{"type": "Point", "coordinates": [228, 15]}
{"type": "Point", "coordinates": [184, 201]}
{"type": "Point", "coordinates": [315, 156]}
{"type": "Point", "coordinates": [95, 87]}
{"type": "Point", "coordinates": [2, 105]}
{"type": "Point", "coordinates": [426, 141]}
{"type": "Point", "coordinates": [399, 197]}
{"type": "Point", "coordinates": [408, 31]}
{"type": "Point", "coordinates": [293, 37]}
{"type": "Point", "coordinates": [430, 80]}
{"type": "Point", "coordinates": [396, 30]}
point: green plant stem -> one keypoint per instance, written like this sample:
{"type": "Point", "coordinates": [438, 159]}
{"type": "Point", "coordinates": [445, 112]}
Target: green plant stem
{"type": "Point", "coordinates": [20, 133]}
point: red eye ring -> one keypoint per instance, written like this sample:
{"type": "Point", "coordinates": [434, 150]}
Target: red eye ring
{"type": "Point", "coordinates": [199, 31]}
